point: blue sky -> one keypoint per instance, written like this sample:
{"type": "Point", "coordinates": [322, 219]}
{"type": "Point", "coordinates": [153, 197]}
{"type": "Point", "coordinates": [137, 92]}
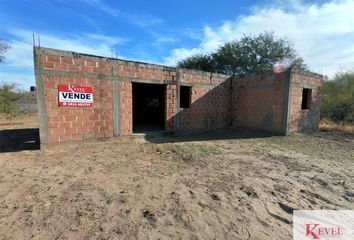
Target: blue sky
{"type": "Point", "coordinates": [167, 31]}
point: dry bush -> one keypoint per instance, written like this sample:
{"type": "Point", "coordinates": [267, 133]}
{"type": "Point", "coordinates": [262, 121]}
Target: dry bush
{"type": "Point", "coordinates": [328, 126]}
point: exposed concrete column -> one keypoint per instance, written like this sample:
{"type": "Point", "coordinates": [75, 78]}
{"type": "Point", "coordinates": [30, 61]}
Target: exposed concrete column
{"type": "Point", "coordinates": [42, 111]}
{"type": "Point", "coordinates": [231, 100]}
{"type": "Point", "coordinates": [116, 101]}
{"type": "Point", "coordinates": [210, 119]}
{"type": "Point", "coordinates": [286, 103]}
{"type": "Point", "coordinates": [177, 118]}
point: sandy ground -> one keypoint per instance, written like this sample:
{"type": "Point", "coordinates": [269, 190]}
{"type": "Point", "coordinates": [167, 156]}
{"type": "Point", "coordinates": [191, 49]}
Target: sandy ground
{"type": "Point", "coordinates": [231, 184]}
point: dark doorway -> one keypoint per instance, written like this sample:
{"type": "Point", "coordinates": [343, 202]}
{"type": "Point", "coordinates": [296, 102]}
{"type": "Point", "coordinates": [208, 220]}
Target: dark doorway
{"type": "Point", "coordinates": [148, 107]}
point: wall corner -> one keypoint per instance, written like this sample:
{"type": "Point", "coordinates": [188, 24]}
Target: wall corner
{"type": "Point", "coordinates": [287, 102]}
{"type": "Point", "coordinates": [42, 111]}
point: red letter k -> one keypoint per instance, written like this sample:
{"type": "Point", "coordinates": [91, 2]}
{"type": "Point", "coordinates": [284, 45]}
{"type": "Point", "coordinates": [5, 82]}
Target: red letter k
{"type": "Point", "coordinates": [309, 230]}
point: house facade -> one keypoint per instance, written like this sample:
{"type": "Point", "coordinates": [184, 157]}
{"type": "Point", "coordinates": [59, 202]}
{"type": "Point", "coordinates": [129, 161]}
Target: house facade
{"type": "Point", "coordinates": [82, 96]}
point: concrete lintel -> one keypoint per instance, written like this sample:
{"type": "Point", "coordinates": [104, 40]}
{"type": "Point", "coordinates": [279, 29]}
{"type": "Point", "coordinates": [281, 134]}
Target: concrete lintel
{"type": "Point", "coordinates": [150, 81]}
{"type": "Point", "coordinates": [203, 73]}
{"type": "Point", "coordinates": [51, 72]}
{"type": "Point", "coordinates": [310, 86]}
{"type": "Point", "coordinates": [199, 85]}
{"type": "Point", "coordinates": [240, 86]}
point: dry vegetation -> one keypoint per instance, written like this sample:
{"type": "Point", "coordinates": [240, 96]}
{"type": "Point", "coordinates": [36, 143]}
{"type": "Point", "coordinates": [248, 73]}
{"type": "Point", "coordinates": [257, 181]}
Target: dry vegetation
{"type": "Point", "coordinates": [330, 126]}
{"type": "Point", "coordinates": [224, 185]}
{"type": "Point", "coordinates": [21, 121]}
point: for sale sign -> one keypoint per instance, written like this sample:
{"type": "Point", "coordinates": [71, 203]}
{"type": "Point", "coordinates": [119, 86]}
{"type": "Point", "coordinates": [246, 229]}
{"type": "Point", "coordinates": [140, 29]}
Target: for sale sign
{"type": "Point", "coordinates": [75, 96]}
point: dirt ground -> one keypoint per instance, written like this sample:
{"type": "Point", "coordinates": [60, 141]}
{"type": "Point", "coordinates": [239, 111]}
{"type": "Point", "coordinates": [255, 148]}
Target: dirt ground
{"type": "Point", "coordinates": [230, 184]}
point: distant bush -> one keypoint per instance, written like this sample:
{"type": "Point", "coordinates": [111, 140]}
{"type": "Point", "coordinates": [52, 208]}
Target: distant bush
{"type": "Point", "coordinates": [338, 99]}
{"type": "Point", "coordinates": [328, 126]}
{"type": "Point", "coordinates": [8, 98]}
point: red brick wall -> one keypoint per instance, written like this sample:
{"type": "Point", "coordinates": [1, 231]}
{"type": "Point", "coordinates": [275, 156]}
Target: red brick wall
{"type": "Point", "coordinates": [220, 102]}
{"type": "Point", "coordinates": [195, 117]}
{"type": "Point", "coordinates": [210, 101]}
{"type": "Point", "coordinates": [141, 72]}
{"type": "Point", "coordinates": [72, 123]}
{"type": "Point", "coordinates": [146, 71]}
{"type": "Point", "coordinates": [75, 64]}
{"type": "Point", "coordinates": [210, 96]}
{"type": "Point", "coordinates": [126, 108]}
{"type": "Point", "coordinates": [170, 107]}
{"type": "Point", "coordinates": [304, 120]}
{"type": "Point", "coordinates": [69, 123]}
{"type": "Point", "coordinates": [259, 101]}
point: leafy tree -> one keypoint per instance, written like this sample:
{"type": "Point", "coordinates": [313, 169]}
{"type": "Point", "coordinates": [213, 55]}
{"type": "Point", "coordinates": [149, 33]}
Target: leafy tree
{"type": "Point", "coordinates": [249, 54]}
{"type": "Point", "coordinates": [8, 98]}
{"type": "Point", "coordinates": [3, 48]}
{"type": "Point", "coordinates": [338, 98]}
{"type": "Point", "coordinates": [198, 62]}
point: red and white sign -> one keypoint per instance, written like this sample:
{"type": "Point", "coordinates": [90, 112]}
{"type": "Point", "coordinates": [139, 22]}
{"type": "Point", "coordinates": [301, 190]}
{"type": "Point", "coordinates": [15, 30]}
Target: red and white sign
{"type": "Point", "coordinates": [75, 96]}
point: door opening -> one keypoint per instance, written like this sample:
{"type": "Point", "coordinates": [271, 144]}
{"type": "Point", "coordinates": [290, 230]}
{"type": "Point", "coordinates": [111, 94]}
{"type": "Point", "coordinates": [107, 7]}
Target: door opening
{"type": "Point", "coordinates": [148, 107]}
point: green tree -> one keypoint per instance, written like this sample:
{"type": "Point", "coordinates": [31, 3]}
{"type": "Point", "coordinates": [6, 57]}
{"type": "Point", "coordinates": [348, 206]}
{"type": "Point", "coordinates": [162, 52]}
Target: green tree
{"type": "Point", "coordinates": [250, 54]}
{"type": "Point", "coordinates": [8, 98]}
{"type": "Point", "coordinates": [198, 62]}
{"type": "Point", "coordinates": [337, 101]}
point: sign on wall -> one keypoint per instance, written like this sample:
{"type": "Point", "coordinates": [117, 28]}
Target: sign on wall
{"type": "Point", "coordinates": [75, 96]}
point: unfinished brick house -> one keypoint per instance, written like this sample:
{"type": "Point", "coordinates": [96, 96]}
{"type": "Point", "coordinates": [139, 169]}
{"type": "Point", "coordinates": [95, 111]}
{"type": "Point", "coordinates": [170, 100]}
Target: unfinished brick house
{"type": "Point", "coordinates": [82, 96]}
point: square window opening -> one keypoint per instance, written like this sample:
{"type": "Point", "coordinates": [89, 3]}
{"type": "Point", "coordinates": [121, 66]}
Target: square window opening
{"type": "Point", "coordinates": [306, 98]}
{"type": "Point", "coordinates": [185, 97]}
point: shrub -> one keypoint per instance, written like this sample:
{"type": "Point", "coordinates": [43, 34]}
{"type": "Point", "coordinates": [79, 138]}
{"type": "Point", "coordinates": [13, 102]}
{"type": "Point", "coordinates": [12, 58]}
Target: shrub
{"type": "Point", "coordinates": [8, 98]}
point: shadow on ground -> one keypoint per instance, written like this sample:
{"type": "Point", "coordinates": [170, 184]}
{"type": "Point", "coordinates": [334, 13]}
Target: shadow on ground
{"type": "Point", "coordinates": [221, 134]}
{"type": "Point", "coordinates": [14, 140]}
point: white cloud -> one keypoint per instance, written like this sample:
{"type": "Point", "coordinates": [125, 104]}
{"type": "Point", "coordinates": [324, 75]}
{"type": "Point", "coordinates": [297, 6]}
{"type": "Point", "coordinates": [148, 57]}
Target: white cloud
{"type": "Point", "coordinates": [19, 58]}
{"type": "Point", "coordinates": [141, 19]}
{"type": "Point", "coordinates": [322, 34]}
{"type": "Point", "coordinates": [179, 54]}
